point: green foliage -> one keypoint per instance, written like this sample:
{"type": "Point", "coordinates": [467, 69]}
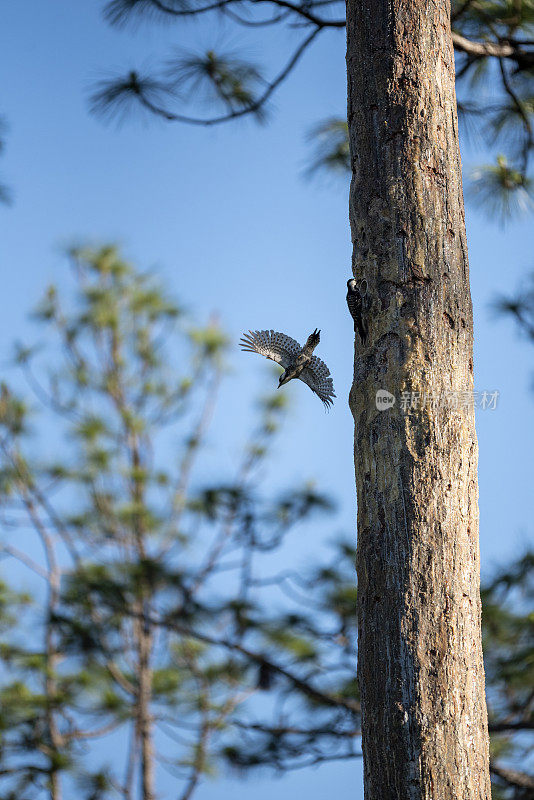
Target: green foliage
{"type": "Point", "coordinates": [150, 572]}
{"type": "Point", "coordinates": [210, 342]}
{"type": "Point", "coordinates": [501, 190]}
{"type": "Point", "coordinates": [508, 639]}
{"type": "Point", "coordinates": [114, 99]}
{"type": "Point", "coordinates": [520, 307]}
{"type": "Point", "coordinates": [220, 79]}
{"type": "Point", "coordinates": [331, 142]}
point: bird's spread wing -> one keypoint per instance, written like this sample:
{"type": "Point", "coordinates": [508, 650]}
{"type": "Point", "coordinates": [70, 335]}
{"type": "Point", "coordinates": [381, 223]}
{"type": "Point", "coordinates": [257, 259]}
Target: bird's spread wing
{"type": "Point", "coordinates": [317, 376]}
{"type": "Point", "coordinates": [271, 344]}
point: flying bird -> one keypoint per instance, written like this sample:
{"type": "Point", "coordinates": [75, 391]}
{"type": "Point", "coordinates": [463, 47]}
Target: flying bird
{"type": "Point", "coordinates": [297, 361]}
{"type": "Point", "coordinates": [356, 292]}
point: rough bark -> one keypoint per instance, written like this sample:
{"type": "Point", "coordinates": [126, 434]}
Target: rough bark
{"type": "Point", "coordinates": [419, 654]}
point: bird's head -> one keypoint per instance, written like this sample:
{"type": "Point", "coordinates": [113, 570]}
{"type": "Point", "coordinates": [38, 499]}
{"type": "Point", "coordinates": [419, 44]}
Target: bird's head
{"type": "Point", "coordinates": [282, 379]}
{"type": "Point", "coordinates": [351, 284]}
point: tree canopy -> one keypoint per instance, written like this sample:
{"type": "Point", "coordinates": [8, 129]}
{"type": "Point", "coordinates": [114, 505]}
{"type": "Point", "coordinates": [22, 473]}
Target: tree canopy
{"type": "Point", "coordinates": [494, 46]}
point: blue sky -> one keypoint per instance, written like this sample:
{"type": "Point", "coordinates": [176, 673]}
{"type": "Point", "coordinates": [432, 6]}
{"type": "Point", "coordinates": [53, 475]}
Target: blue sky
{"type": "Point", "coordinates": [226, 218]}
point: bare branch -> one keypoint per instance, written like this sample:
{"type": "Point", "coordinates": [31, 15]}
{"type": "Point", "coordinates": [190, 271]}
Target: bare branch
{"type": "Point", "coordinates": [522, 780]}
{"type": "Point", "coordinates": [509, 49]}
{"type": "Point", "coordinates": [301, 10]}
{"type": "Point", "coordinates": [522, 113]}
{"type": "Point", "coordinates": [24, 559]}
{"type": "Point", "coordinates": [281, 730]}
{"type": "Point", "coordinates": [306, 688]}
{"type": "Point", "coordinates": [261, 23]}
{"type": "Point", "coordinates": [312, 762]}
{"type": "Point", "coordinates": [251, 109]}
{"type": "Point", "coordinates": [505, 727]}
{"type": "Point", "coordinates": [96, 733]}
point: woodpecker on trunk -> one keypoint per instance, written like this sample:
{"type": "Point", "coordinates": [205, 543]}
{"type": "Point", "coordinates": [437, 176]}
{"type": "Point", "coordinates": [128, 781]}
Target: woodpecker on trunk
{"type": "Point", "coordinates": [356, 291]}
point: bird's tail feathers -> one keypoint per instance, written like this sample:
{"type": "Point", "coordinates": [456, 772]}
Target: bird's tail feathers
{"type": "Point", "coordinates": [313, 340]}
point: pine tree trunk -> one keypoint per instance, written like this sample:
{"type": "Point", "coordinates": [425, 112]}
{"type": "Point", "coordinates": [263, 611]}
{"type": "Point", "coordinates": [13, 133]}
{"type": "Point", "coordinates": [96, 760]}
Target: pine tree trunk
{"type": "Point", "coordinates": [145, 717]}
{"type": "Point", "coordinates": [419, 655]}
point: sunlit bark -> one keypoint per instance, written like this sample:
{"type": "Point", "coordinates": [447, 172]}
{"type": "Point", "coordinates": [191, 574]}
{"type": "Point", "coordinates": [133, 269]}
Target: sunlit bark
{"type": "Point", "coordinates": [420, 658]}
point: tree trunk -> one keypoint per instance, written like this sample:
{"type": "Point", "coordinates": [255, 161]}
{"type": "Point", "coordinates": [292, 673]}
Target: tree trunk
{"type": "Point", "coordinates": [419, 654]}
{"type": "Point", "coordinates": [52, 658]}
{"type": "Point", "coordinates": [144, 714]}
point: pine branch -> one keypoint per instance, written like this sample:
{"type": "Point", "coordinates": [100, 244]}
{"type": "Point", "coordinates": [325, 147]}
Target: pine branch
{"type": "Point", "coordinates": [253, 108]}
{"type": "Point", "coordinates": [513, 777]}
{"type": "Point", "coordinates": [306, 688]}
{"type": "Point", "coordinates": [502, 49]}
{"type": "Point", "coordinates": [527, 146]}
